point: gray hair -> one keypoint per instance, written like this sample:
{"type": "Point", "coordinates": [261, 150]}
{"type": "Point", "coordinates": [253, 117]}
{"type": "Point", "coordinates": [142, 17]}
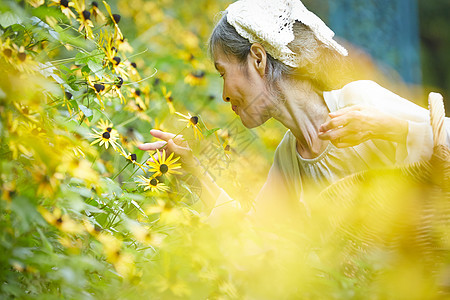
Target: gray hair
{"type": "Point", "coordinates": [314, 56]}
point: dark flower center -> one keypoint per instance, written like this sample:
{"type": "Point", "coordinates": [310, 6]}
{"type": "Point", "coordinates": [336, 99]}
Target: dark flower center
{"type": "Point", "coordinates": [68, 95]}
{"type": "Point", "coordinates": [97, 228]}
{"type": "Point", "coordinates": [133, 157]}
{"type": "Point", "coordinates": [227, 148]}
{"type": "Point", "coordinates": [154, 182]}
{"type": "Point", "coordinates": [119, 85]}
{"type": "Point", "coordinates": [22, 56]}
{"type": "Point", "coordinates": [117, 60]}
{"type": "Point", "coordinates": [99, 87]}
{"type": "Point", "coordinates": [138, 92]}
{"type": "Point", "coordinates": [64, 3]}
{"type": "Point", "coordinates": [86, 15]}
{"type": "Point", "coordinates": [194, 120]}
{"type": "Point", "coordinates": [199, 75]}
{"type": "Point", "coordinates": [7, 52]}
{"type": "Point", "coordinates": [133, 64]}
{"type": "Point", "coordinates": [108, 129]}
{"type": "Point", "coordinates": [59, 220]}
{"type": "Point", "coordinates": [163, 168]}
{"type": "Point", "coordinates": [114, 49]}
{"type": "Point", "coordinates": [116, 18]}
{"type": "Point", "coordinates": [94, 4]}
{"type": "Point", "coordinates": [106, 135]}
{"type": "Point", "coordinates": [170, 99]}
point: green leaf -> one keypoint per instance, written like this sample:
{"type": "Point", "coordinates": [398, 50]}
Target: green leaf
{"type": "Point", "coordinates": [8, 18]}
{"type": "Point", "coordinates": [86, 111]}
{"type": "Point", "coordinates": [211, 131]}
{"type": "Point", "coordinates": [96, 68]}
{"type": "Point", "coordinates": [84, 57]}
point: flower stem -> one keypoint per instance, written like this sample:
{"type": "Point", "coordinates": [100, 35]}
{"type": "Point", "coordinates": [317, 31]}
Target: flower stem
{"type": "Point", "coordinates": [121, 170]}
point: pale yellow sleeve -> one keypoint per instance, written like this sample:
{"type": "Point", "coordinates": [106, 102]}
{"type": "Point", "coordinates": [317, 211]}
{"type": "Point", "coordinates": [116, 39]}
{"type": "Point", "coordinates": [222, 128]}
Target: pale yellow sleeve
{"type": "Point", "coordinates": [419, 140]}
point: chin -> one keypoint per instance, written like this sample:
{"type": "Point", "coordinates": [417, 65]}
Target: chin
{"type": "Point", "coordinates": [252, 122]}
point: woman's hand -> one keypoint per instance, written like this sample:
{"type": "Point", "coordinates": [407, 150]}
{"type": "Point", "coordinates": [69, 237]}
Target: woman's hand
{"type": "Point", "coordinates": [353, 125]}
{"type": "Point", "coordinates": [172, 144]}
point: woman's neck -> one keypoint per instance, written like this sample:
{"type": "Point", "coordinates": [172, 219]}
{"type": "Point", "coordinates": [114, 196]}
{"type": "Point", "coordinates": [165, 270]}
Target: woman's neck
{"type": "Point", "coordinates": [303, 111]}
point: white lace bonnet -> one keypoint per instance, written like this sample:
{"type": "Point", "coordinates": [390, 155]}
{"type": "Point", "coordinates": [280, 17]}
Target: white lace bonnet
{"type": "Point", "coordinates": [271, 22]}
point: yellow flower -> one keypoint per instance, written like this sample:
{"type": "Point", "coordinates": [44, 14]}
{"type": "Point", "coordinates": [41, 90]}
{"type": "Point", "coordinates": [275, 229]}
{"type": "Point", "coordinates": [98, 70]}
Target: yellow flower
{"type": "Point", "coordinates": [169, 99]}
{"type": "Point", "coordinates": [192, 121]}
{"type": "Point", "coordinates": [153, 184]}
{"type": "Point", "coordinates": [145, 236]}
{"type": "Point", "coordinates": [124, 46]}
{"type": "Point", "coordinates": [84, 17]}
{"type": "Point", "coordinates": [65, 7]}
{"type": "Point", "coordinates": [115, 88]}
{"type": "Point", "coordinates": [60, 221]}
{"type": "Point", "coordinates": [23, 63]}
{"type": "Point", "coordinates": [195, 78]}
{"type": "Point", "coordinates": [103, 125]}
{"type": "Point", "coordinates": [98, 89]}
{"type": "Point", "coordinates": [107, 137]}
{"type": "Point", "coordinates": [36, 3]}
{"type": "Point", "coordinates": [6, 50]}
{"type": "Point", "coordinates": [131, 157]}
{"type": "Point", "coordinates": [112, 247]}
{"type": "Point", "coordinates": [163, 165]}
{"type": "Point", "coordinates": [96, 12]}
{"type": "Point", "coordinates": [115, 19]}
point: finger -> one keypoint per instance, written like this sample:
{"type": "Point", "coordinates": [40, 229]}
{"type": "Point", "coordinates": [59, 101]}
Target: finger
{"type": "Point", "coordinates": [179, 150]}
{"type": "Point", "coordinates": [343, 111]}
{"type": "Point", "coordinates": [161, 134]}
{"type": "Point", "coordinates": [152, 146]}
{"type": "Point", "coordinates": [333, 135]}
{"type": "Point", "coordinates": [344, 144]}
{"type": "Point", "coordinates": [333, 123]}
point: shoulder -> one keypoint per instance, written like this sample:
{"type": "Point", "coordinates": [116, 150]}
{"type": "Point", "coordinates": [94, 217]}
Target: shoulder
{"type": "Point", "coordinates": [358, 92]}
{"type": "Point", "coordinates": [368, 92]}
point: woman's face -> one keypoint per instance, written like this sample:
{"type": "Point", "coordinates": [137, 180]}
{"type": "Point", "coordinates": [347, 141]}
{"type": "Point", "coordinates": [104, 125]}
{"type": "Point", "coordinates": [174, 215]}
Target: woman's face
{"type": "Point", "coordinates": [245, 88]}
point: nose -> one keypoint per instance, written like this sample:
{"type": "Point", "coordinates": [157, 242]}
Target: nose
{"type": "Point", "coordinates": [225, 98]}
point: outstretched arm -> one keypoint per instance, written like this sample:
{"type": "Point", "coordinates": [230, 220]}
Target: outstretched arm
{"type": "Point", "coordinates": [212, 195]}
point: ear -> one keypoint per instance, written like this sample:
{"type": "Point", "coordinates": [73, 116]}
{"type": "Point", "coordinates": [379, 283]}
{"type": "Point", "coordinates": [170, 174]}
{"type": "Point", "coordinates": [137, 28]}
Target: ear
{"type": "Point", "coordinates": [257, 58]}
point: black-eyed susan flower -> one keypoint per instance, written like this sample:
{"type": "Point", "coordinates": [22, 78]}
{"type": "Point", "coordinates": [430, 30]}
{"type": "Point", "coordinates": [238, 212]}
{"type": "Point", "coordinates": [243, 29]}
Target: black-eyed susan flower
{"type": "Point", "coordinates": [169, 99]}
{"type": "Point", "coordinates": [98, 88]}
{"type": "Point", "coordinates": [6, 50]}
{"type": "Point", "coordinates": [132, 71]}
{"type": "Point", "coordinates": [131, 158]}
{"type": "Point", "coordinates": [137, 95]}
{"type": "Point", "coordinates": [195, 78]}
{"type": "Point", "coordinates": [115, 88]}
{"type": "Point", "coordinates": [84, 17]}
{"type": "Point", "coordinates": [103, 125]}
{"type": "Point", "coordinates": [65, 7]}
{"type": "Point", "coordinates": [192, 121]}
{"type": "Point", "coordinates": [96, 13]}
{"type": "Point", "coordinates": [61, 221]}
{"type": "Point", "coordinates": [124, 46]}
{"type": "Point", "coordinates": [22, 61]}
{"type": "Point", "coordinates": [162, 165]}
{"type": "Point", "coordinates": [114, 21]}
{"type": "Point", "coordinates": [152, 184]}
{"type": "Point", "coordinates": [36, 3]}
{"type": "Point", "coordinates": [105, 138]}
{"type": "Point", "coordinates": [145, 236]}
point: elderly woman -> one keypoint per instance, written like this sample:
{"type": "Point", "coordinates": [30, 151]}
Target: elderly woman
{"type": "Point", "coordinates": [276, 60]}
